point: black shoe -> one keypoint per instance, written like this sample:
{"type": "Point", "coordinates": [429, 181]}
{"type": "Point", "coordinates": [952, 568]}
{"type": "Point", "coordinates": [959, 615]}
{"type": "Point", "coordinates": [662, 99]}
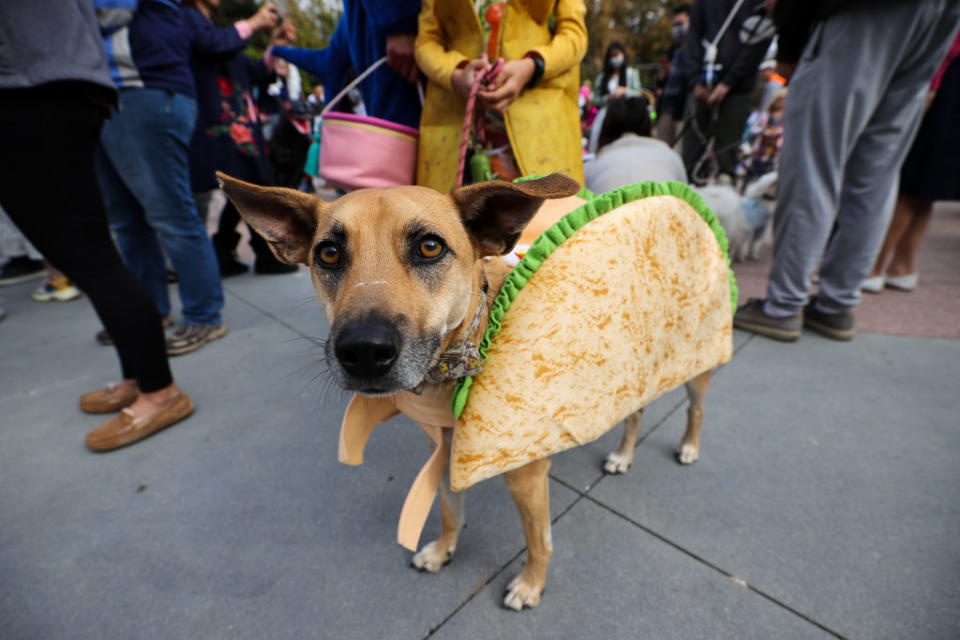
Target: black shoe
{"type": "Point", "coordinates": [230, 266]}
{"type": "Point", "coordinates": [751, 317]}
{"type": "Point", "coordinates": [836, 326]}
{"type": "Point", "coordinates": [275, 267]}
{"type": "Point", "coordinates": [21, 269]}
{"type": "Point", "coordinates": [224, 246]}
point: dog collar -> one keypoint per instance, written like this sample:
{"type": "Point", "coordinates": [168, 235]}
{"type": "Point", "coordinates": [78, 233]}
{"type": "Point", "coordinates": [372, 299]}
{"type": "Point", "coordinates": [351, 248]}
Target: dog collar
{"type": "Point", "coordinates": [461, 359]}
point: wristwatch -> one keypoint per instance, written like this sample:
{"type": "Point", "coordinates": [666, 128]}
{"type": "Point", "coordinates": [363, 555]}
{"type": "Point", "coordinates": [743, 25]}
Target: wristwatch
{"type": "Point", "coordinates": [538, 66]}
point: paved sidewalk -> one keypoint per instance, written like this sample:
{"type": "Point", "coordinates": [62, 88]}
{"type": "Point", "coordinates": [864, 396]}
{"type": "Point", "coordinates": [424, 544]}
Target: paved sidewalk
{"type": "Point", "coordinates": [824, 503]}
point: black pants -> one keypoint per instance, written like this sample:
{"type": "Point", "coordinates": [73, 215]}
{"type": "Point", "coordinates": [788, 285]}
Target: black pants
{"type": "Point", "coordinates": [48, 138]}
{"type": "Point", "coordinates": [731, 118]}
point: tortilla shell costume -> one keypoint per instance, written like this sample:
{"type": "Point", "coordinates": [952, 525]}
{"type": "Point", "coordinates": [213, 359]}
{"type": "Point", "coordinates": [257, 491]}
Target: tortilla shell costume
{"type": "Point", "coordinates": [626, 297]}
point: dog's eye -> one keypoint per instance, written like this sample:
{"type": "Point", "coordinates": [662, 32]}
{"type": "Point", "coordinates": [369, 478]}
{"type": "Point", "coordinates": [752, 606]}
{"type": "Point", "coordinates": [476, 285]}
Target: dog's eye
{"type": "Point", "coordinates": [328, 256]}
{"type": "Point", "coordinates": [430, 248]}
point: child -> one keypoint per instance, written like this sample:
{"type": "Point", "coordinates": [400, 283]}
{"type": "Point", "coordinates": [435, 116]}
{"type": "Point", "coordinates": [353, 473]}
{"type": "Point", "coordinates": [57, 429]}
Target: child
{"type": "Point", "coordinates": [765, 137]}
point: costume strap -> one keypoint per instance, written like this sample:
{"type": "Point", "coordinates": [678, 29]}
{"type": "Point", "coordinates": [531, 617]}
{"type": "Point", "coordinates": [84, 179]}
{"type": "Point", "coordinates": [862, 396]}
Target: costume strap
{"type": "Point", "coordinates": [361, 416]}
{"type": "Point", "coordinates": [416, 507]}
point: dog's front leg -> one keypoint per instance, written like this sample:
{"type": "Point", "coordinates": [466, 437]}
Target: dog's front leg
{"type": "Point", "coordinates": [530, 488]}
{"type": "Point", "coordinates": [439, 552]}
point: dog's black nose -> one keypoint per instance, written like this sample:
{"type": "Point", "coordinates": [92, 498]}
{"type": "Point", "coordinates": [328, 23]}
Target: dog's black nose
{"type": "Point", "coordinates": [367, 350]}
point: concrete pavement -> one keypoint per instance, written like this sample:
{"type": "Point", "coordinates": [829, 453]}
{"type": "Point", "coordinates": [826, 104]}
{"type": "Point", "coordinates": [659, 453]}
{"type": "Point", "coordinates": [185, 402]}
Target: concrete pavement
{"type": "Point", "coordinates": [824, 503]}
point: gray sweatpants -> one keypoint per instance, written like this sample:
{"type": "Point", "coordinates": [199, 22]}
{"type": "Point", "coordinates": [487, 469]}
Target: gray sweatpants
{"type": "Point", "coordinates": [854, 106]}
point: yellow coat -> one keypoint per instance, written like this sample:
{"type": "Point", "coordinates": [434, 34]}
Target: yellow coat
{"type": "Point", "coordinates": [543, 124]}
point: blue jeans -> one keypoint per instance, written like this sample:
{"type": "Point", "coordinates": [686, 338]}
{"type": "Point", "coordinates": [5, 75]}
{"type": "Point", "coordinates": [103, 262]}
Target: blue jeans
{"type": "Point", "coordinates": [144, 173]}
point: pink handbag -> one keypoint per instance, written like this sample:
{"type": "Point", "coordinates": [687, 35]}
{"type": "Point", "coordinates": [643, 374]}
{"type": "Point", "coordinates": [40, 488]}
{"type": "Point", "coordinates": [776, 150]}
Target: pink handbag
{"type": "Point", "coordinates": [362, 151]}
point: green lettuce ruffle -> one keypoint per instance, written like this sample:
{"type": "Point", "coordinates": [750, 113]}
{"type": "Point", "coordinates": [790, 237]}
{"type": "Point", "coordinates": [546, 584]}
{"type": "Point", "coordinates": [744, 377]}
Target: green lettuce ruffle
{"type": "Point", "coordinates": [549, 240]}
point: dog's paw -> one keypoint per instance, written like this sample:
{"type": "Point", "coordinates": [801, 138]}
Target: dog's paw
{"type": "Point", "coordinates": [432, 557]}
{"type": "Point", "coordinates": [617, 462]}
{"type": "Point", "coordinates": [687, 453]}
{"type": "Point", "coordinates": [521, 593]}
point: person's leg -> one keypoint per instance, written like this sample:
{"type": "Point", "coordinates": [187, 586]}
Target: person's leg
{"type": "Point", "coordinates": [19, 259]}
{"type": "Point", "coordinates": [225, 241]}
{"type": "Point", "coordinates": [13, 244]}
{"type": "Point", "coordinates": [697, 131]}
{"type": "Point", "coordinates": [902, 218]}
{"type": "Point", "coordinates": [872, 168]}
{"type": "Point", "coordinates": [227, 237]}
{"type": "Point", "coordinates": [665, 128]}
{"type": "Point", "coordinates": [904, 262]}
{"type": "Point", "coordinates": [68, 224]}
{"type": "Point", "coordinates": [734, 111]}
{"type": "Point", "coordinates": [841, 82]}
{"type": "Point", "coordinates": [154, 165]}
{"type": "Point", "coordinates": [203, 200]}
{"type": "Point", "coordinates": [137, 241]}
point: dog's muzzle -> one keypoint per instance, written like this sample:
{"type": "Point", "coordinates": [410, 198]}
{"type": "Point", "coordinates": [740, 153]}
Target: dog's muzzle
{"type": "Point", "coordinates": [368, 350]}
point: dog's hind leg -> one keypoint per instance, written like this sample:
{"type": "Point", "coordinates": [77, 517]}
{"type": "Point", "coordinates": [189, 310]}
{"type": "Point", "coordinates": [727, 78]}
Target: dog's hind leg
{"type": "Point", "coordinates": [529, 486]}
{"type": "Point", "coordinates": [689, 449]}
{"type": "Point", "coordinates": [439, 552]}
{"type": "Point", "coordinates": [620, 460]}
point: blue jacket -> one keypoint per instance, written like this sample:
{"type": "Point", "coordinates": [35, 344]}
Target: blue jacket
{"type": "Point", "coordinates": [145, 44]}
{"type": "Point", "coordinates": [228, 136]}
{"type": "Point", "coordinates": [360, 40]}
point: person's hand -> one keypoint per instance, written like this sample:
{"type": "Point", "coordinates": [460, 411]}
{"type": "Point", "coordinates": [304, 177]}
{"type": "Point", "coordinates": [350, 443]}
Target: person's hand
{"type": "Point", "coordinates": [930, 96]}
{"type": "Point", "coordinates": [786, 69]}
{"type": "Point", "coordinates": [285, 35]}
{"type": "Point", "coordinates": [619, 92]}
{"type": "Point", "coordinates": [513, 78]}
{"type": "Point", "coordinates": [400, 55]}
{"type": "Point", "coordinates": [462, 79]}
{"type": "Point", "coordinates": [718, 94]}
{"type": "Point", "coordinates": [701, 92]}
{"type": "Point", "coordinates": [266, 17]}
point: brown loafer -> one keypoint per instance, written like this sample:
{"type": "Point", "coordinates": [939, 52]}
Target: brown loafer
{"type": "Point", "coordinates": [126, 429]}
{"type": "Point", "coordinates": [107, 400]}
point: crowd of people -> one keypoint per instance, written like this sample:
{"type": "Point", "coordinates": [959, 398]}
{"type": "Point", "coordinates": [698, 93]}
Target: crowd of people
{"type": "Point", "coordinates": [137, 103]}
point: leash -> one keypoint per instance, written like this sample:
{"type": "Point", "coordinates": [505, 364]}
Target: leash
{"type": "Point", "coordinates": [487, 75]}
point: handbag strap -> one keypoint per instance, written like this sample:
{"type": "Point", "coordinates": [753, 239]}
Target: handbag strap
{"type": "Point", "coordinates": [347, 89]}
{"type": "Point", "coordinates": [710, 48]}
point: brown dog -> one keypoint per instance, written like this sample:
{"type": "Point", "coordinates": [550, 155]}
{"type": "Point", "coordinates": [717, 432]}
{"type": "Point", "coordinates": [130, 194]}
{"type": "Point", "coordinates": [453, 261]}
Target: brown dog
{"type": "Point", "coordinates": [401, 272]}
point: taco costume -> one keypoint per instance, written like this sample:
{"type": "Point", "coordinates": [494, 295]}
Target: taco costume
{"type": "Point", "coordinates": [626, 297]}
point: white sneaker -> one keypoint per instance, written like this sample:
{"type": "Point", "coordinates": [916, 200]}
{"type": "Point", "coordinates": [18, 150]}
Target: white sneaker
{"type": "Point", "coordinates": [874, 284]}
{"type": "Point", "coordinates": [903, 283]}
{"type": "Point", "coordinates": [59, 290]}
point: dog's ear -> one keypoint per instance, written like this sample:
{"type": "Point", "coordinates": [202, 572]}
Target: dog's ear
{"type": "Point", "coordinates": [495, 213]}
{"type": "Point", "coordinates": [285, 218]}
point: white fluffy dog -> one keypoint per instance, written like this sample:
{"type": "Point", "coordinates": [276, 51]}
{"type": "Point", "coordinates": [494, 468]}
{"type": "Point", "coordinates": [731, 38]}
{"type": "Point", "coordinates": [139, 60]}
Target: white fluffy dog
{"type": "Point", "coordinates": [744, 218]}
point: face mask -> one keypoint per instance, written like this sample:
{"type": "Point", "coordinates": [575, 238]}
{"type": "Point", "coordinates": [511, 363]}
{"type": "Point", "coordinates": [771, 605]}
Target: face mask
{"type": "Point", "coordinates": [679, 33]}
{"type": "Point", "coordinates": [616, 62]}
